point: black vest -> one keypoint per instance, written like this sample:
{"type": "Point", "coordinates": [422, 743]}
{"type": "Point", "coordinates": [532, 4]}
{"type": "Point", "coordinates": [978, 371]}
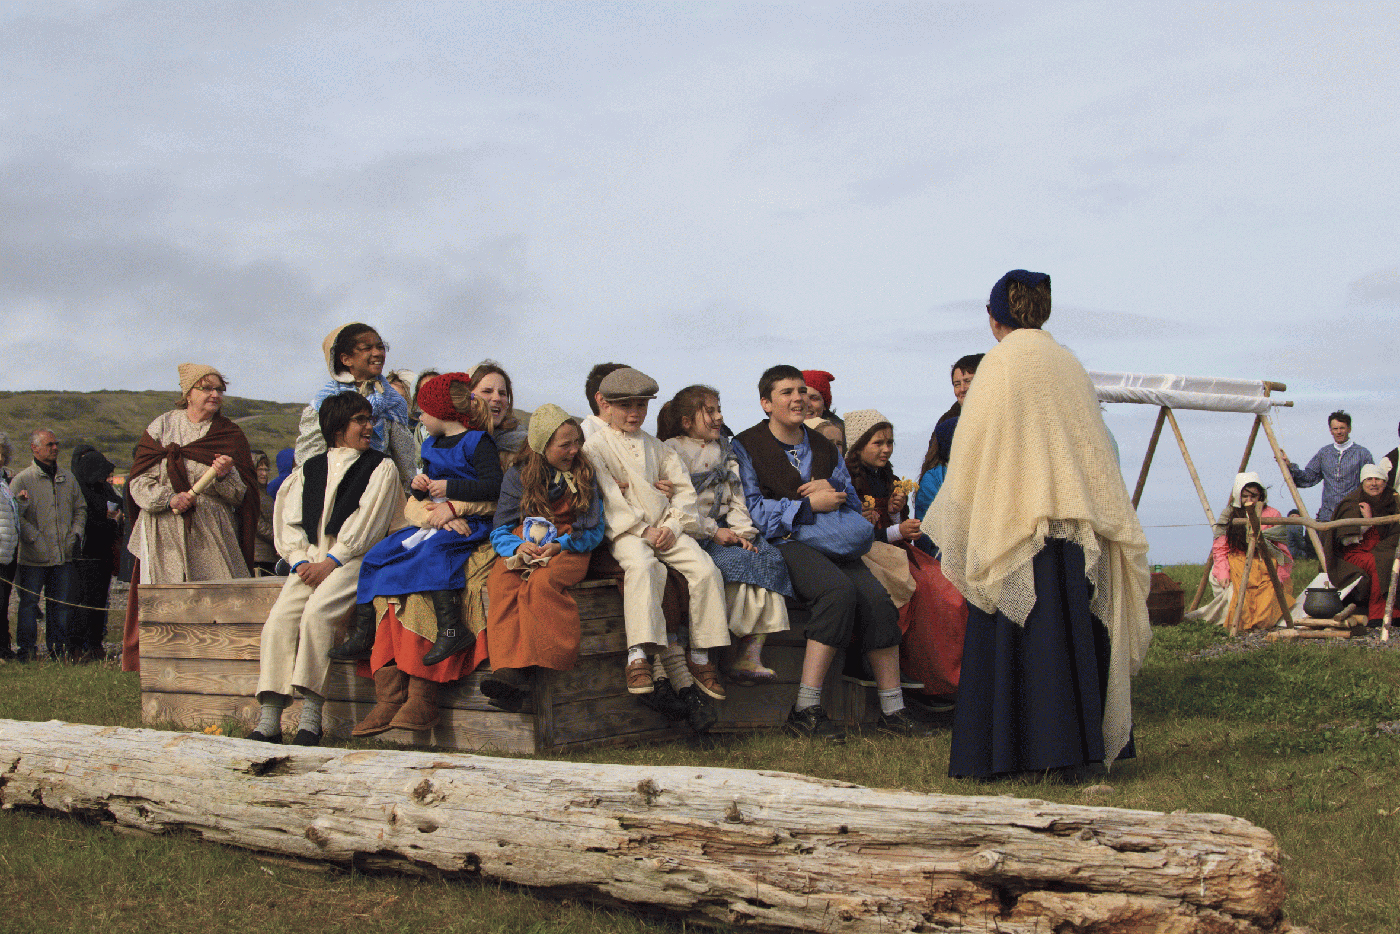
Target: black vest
{"type": "Point", "coordinates": [777, 478]}
{"type": "Point", "coordinates": [347, 495]}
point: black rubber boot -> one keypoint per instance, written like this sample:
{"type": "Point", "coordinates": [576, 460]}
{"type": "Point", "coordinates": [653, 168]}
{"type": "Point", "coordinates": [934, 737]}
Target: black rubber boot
{"type": "Point", "coordinates": [361, 641]}
{"type": "Point", "coordinates": [453, 635]}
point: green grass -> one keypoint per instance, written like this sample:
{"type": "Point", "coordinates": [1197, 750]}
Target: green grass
{"type": "Point", "coordinates": [1287, 736]}
{"type": "Point", "coordinates": [112, 421]}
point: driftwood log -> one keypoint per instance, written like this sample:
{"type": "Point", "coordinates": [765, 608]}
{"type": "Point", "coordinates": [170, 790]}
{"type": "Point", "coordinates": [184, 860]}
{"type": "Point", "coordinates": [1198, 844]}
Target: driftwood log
{"type": "Point", "coordinates": [768, 850]}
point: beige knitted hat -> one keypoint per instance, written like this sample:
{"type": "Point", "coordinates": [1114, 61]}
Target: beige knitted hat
{"type": "Point", "coordinates": [859, 422]}
{"type": "Point", "coordinates": [543, 424]}
{"type": "Point", "coordinates": [191, 373]}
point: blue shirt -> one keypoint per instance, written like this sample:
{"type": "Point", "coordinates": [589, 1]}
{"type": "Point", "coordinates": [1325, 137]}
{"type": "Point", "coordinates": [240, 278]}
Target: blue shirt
{"type": "Point", "coordinates": [1338, 472]}
{"type": "Point", "coordinates": [776, 518]}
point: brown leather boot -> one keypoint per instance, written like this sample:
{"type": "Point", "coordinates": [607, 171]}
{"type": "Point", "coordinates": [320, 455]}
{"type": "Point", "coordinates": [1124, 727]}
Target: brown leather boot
{"type": "Point", "coordinates": [421, 711]}
{"type": "Point", "coordinates": [390, 692]}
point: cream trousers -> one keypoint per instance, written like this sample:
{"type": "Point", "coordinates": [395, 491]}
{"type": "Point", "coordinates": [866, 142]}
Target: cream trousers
{"type": "Point", "coordinates": [644, 579]}
{"type": "Point", "coordinates": [300, 630]}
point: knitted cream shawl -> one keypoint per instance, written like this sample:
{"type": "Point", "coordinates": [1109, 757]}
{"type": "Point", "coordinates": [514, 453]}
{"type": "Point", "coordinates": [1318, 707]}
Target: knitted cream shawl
{"type": "Point", "coordinates": [1033, 461]}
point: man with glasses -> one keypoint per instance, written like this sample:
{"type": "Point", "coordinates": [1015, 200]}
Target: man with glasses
{"type": "Point", "coordinates": [52, 516]}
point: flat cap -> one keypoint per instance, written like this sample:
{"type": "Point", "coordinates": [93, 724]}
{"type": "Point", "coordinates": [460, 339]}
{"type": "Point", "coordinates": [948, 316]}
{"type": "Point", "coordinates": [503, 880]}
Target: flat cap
{"type": "Point", "coordinates": [628, 383]}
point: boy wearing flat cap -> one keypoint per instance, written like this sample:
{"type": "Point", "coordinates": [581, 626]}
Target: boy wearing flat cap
{"type": "Point", "coordinates": [647, 530]}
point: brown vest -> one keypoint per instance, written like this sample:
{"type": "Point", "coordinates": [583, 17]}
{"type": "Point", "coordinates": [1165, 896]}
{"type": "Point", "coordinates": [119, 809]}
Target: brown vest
{"type": "Point", "coordinates": [777, 478]}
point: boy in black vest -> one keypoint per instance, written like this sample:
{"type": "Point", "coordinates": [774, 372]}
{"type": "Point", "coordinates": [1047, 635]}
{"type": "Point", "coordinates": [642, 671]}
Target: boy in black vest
{"type": "Point", "coordinates": [801, 498]}
{"type": "Point", "coordinates": [331, 510]}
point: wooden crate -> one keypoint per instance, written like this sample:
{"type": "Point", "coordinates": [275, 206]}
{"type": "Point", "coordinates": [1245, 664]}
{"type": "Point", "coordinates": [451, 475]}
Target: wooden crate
{"type": "Point", "coordinates": [199, 666]}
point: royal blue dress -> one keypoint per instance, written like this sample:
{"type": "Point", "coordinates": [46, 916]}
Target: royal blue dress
{"type": "Point", "coordinates": [439, 561]}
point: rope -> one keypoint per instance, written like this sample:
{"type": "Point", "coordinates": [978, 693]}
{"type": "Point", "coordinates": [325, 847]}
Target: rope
{"type": "Point", "coordinates": [76, 606]}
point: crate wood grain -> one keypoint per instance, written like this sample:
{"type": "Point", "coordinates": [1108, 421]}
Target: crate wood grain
{"type": "Point", "coordinates": [199, 666]}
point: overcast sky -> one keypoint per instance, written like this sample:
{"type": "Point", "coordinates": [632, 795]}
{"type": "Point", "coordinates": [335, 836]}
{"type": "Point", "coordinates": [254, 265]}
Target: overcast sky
{"type": "Point", "coordinates": [702, 190]}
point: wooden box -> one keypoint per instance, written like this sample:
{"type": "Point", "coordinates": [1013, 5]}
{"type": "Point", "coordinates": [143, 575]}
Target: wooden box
{"type": "Point", "coordinates": [199, 667]}
{"type": "Point", "coordinates": [1166, 602]}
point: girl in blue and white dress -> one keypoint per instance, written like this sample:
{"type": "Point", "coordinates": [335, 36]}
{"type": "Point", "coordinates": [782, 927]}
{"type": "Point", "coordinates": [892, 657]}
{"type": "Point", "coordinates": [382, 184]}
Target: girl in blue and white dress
{"type": "Point", "coordinates": [755, 575]}
{"type": "Point", "coordinates": [429, 557]}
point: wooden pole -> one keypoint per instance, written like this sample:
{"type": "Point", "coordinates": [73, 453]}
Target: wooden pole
{"type": "Point", "coordinates": [751, 850]}
{"type": "Point", "coordinates": [1390, 597]}
{"type": "Point", "coordinates": [1258, 534]}
{"type": "Point", "coordinates": [1297, 497]}
{"type": "Point", "coordinates": [1243, 588]}
{"type": "Point", "coordinates": [1147, 461]}
{"type": "Point", "coordinates": [1190, 467]}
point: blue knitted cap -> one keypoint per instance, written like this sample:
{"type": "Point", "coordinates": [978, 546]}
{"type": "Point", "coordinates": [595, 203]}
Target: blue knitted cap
{"type": "Point", "coordinates": [998, 306]}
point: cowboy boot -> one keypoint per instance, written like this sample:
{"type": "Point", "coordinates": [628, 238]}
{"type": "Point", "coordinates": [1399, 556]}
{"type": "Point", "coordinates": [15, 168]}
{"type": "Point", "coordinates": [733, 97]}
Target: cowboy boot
{"type": "Point", "coordinates": [453, 635]}
{"type": "Point", "coordinates": [421, 711]}
{"type": "Point", "coordinates": [361, 642]}
{"type": "Point", "coordinates": [390, 692]}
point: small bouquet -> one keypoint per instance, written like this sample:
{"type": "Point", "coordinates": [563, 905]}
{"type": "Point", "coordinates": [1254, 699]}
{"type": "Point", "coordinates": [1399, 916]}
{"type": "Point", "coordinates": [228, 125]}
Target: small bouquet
{"type": "Point", "coordinates": [904, 486]}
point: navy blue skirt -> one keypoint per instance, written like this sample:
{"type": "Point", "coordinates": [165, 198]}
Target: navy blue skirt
{"type": "Point", "coordinates": [1031, 698]}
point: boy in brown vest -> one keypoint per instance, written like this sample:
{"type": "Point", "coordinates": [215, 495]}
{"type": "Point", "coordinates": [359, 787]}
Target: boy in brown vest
{"type": "Point", "coordinates": [801, 498]}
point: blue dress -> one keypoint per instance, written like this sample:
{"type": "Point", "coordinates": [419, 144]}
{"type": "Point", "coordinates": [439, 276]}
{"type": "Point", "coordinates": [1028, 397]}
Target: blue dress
{"type": "Point", "coordinates": [1031, 698]}
{"type": "Point", "coordinates": [439, 561]}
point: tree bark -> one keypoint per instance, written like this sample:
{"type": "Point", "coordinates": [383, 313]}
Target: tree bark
{"type": "Point", "coordinates": [769, 850]}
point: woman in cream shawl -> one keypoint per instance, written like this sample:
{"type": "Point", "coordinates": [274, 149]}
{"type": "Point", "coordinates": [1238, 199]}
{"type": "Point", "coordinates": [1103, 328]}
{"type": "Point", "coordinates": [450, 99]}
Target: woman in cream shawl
{"type": "Point", "coordinates": [1038, 533]}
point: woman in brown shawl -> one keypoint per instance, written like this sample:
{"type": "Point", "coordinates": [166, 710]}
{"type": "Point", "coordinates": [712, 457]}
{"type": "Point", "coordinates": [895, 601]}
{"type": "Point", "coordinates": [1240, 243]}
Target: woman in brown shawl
{"type": "Point", "coordinates": [1369, 549]}
{"type": "Point", "coordinates": [180, 535]}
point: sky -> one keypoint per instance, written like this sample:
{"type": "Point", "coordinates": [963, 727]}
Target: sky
{"type": "Point", "coordinates": [705, 189]}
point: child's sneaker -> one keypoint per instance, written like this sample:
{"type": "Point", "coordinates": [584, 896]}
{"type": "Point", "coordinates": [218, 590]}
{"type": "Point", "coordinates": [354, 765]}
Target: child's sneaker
{"type": "Point", "coordinates": [706, 678]}
{"type": "Point", "coordinates": [638, 674]}
{"type": "Point", "coordinates": [813, 723]}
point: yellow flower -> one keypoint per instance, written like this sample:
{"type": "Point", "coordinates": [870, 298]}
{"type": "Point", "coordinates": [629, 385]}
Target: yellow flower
{"type": "Point", "coordinates": [904, 486]}
{"type": "Point", "coordinates": [214, 731]}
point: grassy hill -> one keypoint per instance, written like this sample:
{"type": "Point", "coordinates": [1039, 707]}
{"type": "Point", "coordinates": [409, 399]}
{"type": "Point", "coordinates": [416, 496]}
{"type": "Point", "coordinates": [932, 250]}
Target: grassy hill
{"type": "Point", "coordinates": [112, 421]}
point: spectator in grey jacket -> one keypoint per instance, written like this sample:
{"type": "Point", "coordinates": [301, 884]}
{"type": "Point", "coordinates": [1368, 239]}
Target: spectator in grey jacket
{"type": "Point", "coordinates": [52, 516]}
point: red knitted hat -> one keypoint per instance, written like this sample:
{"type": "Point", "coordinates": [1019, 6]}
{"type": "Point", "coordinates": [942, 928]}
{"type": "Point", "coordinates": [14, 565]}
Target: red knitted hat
{"type": "Point", "coordinates": [820, 380]}
{"type": "Point", "coordinates": [435, 397]}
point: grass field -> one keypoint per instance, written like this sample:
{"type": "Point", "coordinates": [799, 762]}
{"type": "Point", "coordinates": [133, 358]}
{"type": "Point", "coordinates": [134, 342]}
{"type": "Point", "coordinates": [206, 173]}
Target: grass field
{"type": "Point", "coordinates": [1300, 739]}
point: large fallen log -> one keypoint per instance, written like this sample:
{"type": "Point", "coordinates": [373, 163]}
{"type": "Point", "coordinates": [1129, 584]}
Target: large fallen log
{"type": "Point", "coordinates": [771, 850]}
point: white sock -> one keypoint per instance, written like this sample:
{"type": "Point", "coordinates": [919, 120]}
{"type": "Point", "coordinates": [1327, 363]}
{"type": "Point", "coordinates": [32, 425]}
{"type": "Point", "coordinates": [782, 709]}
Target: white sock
{"type": "Point", "coordinates": [634, 653]}
{"type": "Point", "coordinates": [699, 656]}
{"type": "Point", "coordinates": [891, 700]}
{"type": "Point", "coordinates": [311, 712]}
{"type": "Point", "coordinates": [270, 715]}
{"type": "Point", "coordinates": [807, 697]}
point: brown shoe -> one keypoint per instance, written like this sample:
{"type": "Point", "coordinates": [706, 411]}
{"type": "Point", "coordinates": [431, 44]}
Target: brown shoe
{"type": "Point", "coordinates": [706, 678]}
{"type": "Point", "coordinates": [421, 710]}
{"type": "Point", "coordinates": [390, 692]}
{"type": "Point", "coordinates": [639, 677]}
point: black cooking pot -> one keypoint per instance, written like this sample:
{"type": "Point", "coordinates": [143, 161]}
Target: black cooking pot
{"type": "Point", "coordinates": [1322, 602]}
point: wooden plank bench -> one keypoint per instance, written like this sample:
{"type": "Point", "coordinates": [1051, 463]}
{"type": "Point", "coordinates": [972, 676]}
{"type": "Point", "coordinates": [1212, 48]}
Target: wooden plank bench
{"type": "Point", "coordinates": [199, 667]}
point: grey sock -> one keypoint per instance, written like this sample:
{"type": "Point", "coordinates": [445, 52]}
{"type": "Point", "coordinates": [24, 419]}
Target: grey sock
{"type": "Point", "coordinates": [311, 712]}
{"type": "Point", "coordinates": [270, 714]}
{"type": "Point", "coordinates": [891, 700]}
{"type": "Point", "coordinates": [807, 697]}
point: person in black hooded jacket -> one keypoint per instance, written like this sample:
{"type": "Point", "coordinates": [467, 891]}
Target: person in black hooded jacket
{"type": "Point", "coordinates": [96, 563]}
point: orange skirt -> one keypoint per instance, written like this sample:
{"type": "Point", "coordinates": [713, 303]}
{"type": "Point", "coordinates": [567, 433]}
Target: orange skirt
{"type": "Point", "coordinates": [533, 620]}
